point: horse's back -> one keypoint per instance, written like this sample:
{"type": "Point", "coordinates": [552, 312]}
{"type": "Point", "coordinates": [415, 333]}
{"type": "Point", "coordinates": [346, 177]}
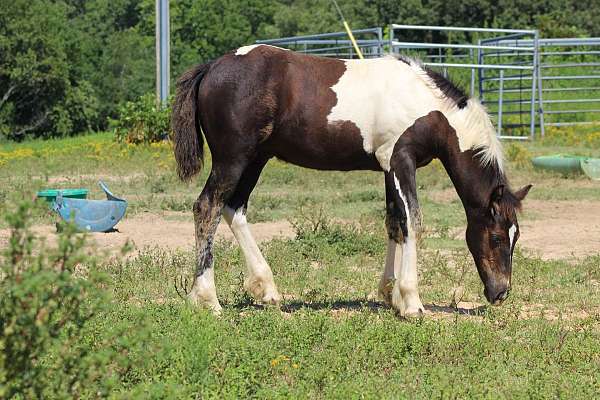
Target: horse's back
{"type": "Point", "coordinates": [312, 111]}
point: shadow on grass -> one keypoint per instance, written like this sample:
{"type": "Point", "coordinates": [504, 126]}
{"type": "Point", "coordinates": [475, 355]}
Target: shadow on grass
{"type": "Point", "coordinates": [437, 309]}
{"type": "Point", "coordinates": [357, 305]}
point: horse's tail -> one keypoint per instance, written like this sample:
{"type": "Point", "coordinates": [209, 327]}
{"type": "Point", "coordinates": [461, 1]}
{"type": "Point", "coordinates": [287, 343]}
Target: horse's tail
{"type": "Point", "coordinates": [185, 121]}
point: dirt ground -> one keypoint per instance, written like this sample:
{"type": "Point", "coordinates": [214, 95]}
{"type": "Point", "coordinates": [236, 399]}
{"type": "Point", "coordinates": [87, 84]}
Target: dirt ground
{"type": "Point", "coordinates": [549, 229]}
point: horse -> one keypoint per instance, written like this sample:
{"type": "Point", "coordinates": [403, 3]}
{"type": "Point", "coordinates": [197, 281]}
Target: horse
{"type": "Point", "coordinates": [391, 115]}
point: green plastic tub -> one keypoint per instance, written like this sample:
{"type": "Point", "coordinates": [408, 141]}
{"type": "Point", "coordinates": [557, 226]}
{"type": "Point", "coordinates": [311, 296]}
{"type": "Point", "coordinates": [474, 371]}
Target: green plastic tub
{"type": "Point", "coordinates": [591, 167]}
{"type": "Point", "coordinates": [559, 163]}
{"type": "Point", "coordinates": [50, 194]}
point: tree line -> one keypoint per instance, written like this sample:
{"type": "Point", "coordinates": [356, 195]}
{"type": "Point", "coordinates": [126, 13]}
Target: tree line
{"type": "Point", "coordinates": [67, 65]}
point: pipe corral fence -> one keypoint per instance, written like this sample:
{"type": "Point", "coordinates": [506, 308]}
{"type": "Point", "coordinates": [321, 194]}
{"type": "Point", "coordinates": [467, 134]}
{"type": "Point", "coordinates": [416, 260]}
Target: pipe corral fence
{"type": "Point", "coordinates": [526, 82]}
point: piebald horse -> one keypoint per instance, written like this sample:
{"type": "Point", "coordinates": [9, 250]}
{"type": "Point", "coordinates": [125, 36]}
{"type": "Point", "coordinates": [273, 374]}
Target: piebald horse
{"type": "Point", "coordinates": [391, 115]}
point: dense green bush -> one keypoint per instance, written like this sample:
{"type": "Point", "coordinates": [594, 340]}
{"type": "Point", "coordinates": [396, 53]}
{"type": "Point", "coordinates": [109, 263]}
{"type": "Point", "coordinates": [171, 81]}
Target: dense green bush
{"type": "Point", "coordinates": [141, 121]}
{"type": "Point", "coordinates": [49, 297]}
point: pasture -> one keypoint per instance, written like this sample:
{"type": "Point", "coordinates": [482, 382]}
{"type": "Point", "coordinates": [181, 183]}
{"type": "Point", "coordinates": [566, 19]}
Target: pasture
{"type": "Point", "coordinates": [323, 235]}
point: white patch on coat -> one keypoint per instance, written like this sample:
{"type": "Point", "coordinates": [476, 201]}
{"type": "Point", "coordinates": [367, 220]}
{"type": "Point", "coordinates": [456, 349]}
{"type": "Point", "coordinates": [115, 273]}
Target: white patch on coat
{"type": "Point", "coordinates": [242, 51]}
{"type": "Point", "coordinates": [259, 278]}
{"type": "Point", "coordinates": [511, 235]}
{"type": "Point", "coordinates": [384, 97]}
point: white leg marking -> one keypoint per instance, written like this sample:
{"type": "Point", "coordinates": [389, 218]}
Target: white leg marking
{"type": "Point", "coordinates": [405, 296]}
{"type": "Point", "coordinates": [393, 261]}
{"type": "Point", "coordinates": [259, 279]}
{"type": "Point", "coordinates": [204, 292]}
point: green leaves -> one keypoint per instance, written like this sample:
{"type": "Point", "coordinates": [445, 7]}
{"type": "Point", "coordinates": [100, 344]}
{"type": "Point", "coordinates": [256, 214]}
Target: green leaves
{"type": "Point", "coordinates": [49, 301]}
{"type": "Point", "coordinates": [141, 121]}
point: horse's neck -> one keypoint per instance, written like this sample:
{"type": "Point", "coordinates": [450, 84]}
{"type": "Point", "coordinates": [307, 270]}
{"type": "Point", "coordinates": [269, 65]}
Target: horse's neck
{"type": "Point", "coordinates": [473, 182]}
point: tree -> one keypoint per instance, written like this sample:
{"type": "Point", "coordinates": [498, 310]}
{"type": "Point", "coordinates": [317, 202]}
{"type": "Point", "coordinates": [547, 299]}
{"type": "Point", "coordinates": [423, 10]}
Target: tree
{"type": "Point", "coordinates": [38, 92]}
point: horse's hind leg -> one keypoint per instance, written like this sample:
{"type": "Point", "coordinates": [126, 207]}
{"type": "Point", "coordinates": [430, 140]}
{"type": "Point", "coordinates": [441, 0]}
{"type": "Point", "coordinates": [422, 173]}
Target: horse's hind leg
{"type": "Point", "coordinates": [207, 213]}
{"type": "Point", "coordinates": [259, 278]}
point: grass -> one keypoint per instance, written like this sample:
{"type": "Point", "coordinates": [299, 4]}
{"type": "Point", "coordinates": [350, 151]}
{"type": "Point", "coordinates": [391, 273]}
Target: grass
{"type": "Point", "coordinates": [332, 338]}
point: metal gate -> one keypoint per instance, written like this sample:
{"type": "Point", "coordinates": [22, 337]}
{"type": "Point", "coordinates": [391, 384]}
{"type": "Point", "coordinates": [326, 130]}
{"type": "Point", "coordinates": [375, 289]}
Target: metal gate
{"type": "Point", "coordinates": [335, 44]}
{"type": "Point", "coordinates": [524, 81]}
{"type": "Point", "coordinates": [570, 73]}
{"type": "Point", "coordinates": [466, 51]}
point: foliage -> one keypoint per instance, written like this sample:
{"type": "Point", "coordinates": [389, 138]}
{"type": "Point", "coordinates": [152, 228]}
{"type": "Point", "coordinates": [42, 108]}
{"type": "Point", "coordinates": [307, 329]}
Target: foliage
{"type": "Point", "coordinates": [39, 89]}
{"type": "Point", "coordinates": [518, 155]}
{"type": "Point", "coordinates": [141, 121]}
{"type": "Point", "coordinates": [48, 299]}
{"type": "Point", "coordinates": [572, 136]}
{"type": "Point", "coordinates": [67, 66]}
{"type": "Point", "coordinates": [331, 338]}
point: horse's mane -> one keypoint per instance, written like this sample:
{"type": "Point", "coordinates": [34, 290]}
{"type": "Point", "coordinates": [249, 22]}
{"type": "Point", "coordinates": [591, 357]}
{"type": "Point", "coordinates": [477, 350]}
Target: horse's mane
{"type": "Point", "coordinates": [466, 115]}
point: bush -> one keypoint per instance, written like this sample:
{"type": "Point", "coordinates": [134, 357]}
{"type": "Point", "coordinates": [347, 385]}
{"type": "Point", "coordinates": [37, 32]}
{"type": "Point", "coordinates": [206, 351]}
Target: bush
{"type": "Point", "coordinates": [48, 298]}
{"type": "Point", "coordinates": [141, 121]}
{"type": "Point", "coordinates": [588, 136]}
{"type": "Point", "coordinates": [518, 155]}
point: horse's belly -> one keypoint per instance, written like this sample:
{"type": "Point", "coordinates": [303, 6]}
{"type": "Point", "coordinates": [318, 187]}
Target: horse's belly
{"type": "Point", "coordinates": [337, 147]}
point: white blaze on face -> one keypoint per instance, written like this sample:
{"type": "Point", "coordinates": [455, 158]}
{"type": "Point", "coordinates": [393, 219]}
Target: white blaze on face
{"type": "Point", "coordinates": [511, 235]}
{"type": "Point", "coordinates": [242, 51]}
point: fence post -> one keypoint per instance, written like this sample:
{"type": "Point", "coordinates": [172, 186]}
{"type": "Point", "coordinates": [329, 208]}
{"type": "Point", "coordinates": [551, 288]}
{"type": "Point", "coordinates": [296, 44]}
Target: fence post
{"type": "Point", "coordinates": [534, 77]}
{"type": "Point", "coordinates": [538, 64]}
{"type": "Point", "coordinates": [391, 38]}
{"type": "Point", "coordinates": [379, 42]}
{"type": "Point", "coordinates": [472, 89]}
{"type": "Point", "coordinates": [162, 52]}
{"type": "Point", "coordinates": [500, 102]}
{"type": "Point", "coordinates": [480, 72]}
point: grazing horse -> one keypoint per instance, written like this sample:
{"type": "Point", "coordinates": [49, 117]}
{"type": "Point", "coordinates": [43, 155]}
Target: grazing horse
{"type": "Point", "coordinates": [391, 115]}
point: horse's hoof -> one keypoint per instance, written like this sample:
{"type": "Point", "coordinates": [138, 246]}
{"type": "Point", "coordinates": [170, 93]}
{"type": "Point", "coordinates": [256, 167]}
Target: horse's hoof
{"type": "Point", "coordinates": [272, 298]}
{"type": "Point", "coordinates": [385, 289]}
{"type": "Point", "coordinates": [212, 305]}
{"type": "Point", "coordinates": [415, 313]}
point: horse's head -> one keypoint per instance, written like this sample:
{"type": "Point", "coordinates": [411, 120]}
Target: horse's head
{"type": "Point", "coordinates": [491, 236]}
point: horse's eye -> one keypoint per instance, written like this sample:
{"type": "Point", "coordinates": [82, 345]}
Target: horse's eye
{"type": "Point", "coordinates": [496, 240]}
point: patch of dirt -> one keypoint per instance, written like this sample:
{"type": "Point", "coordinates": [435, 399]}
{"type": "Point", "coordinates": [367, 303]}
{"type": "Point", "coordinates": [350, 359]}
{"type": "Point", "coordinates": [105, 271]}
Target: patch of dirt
{"type": "Point", "coordinates": [560, 230]}
{"type": "Point", "coordinates": [445, 196]}
{"type": "Point", "coordinates": [150, 230]}
{"type": "Point", "coordinates": [557, 229]}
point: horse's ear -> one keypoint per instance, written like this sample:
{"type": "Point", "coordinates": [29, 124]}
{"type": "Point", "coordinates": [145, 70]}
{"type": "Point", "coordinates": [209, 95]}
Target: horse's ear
{"type": "Point", "coordinates": [521, 193]}
{"type": "Point", "coordinates": [495, 198]}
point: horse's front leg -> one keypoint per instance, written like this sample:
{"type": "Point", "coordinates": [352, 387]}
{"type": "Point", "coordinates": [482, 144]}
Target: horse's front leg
{"type": "Point", "coordinates": [394, 219]}
{"type": "Point", "coordinates": [401, 179]}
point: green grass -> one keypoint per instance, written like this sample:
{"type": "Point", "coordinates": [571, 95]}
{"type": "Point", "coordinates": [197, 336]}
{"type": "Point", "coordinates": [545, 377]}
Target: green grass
{"type": "Point", "coordinates": [331, 338]}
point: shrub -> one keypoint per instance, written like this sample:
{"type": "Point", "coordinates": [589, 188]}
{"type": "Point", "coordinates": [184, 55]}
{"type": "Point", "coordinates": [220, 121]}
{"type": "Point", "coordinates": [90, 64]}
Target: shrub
{"type": "Point", "coordinates": [518, 155]}
{"type": "Point", "coordinates": [48, 297]}
{"type": "Point", "coordinates": [141, 121]}
{"type": "Point", "coordinates": [572, 136]}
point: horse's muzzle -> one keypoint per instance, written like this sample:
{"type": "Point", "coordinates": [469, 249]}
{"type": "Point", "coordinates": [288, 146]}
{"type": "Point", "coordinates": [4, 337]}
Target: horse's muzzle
{"type": "Point", "coordinates": [496, 297]}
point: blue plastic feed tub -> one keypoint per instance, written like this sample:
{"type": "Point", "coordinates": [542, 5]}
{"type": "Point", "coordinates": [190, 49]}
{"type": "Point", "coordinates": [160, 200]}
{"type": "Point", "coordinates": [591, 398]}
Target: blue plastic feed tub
{"type": "Point", "coordinates": [92, 215]}
{"type": "Point", "coordinates": [50, 194]}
